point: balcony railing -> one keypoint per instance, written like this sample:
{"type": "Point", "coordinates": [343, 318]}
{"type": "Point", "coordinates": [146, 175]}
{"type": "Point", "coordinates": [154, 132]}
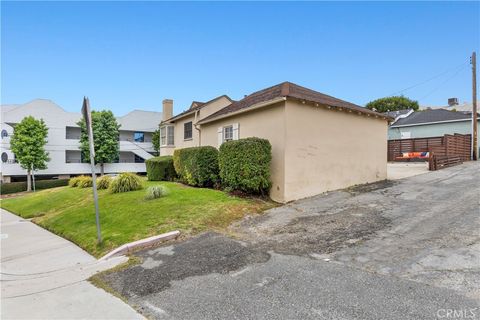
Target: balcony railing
{"type": "Point", "coordinates": [146, 140]}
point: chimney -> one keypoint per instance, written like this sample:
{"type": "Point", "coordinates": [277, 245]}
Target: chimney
{"type": "Point", "coordinates": [452, 102]}
{"type": "Point", "coordinates": [167, 111]}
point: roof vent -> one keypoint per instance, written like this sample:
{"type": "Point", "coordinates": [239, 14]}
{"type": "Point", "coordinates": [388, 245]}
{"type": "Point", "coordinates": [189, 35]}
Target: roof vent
{"type": "Point", "coordinates": [452, 102]}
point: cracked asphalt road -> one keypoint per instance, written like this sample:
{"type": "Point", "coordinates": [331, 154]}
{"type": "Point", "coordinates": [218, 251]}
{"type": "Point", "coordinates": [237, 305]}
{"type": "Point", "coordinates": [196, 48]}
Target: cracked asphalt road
{"type": "Point", "coordinates": [392, 250]}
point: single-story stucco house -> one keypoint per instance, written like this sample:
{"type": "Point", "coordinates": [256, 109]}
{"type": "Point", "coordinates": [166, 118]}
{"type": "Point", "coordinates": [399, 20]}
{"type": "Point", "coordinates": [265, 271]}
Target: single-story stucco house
{"type": "Point", "coordinates": [319, 143]}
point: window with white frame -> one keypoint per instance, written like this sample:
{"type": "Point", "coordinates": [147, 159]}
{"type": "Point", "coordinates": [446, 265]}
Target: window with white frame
{"type": "Point", "coordinates": [405, 135]}
{"type": "Point", "coordinates": [170, 135]}
{"type": "Point", "coordinates": [163, 136]}
{"type": "Point", "coordinates": [167, 137]}
{"type": "Point", "coordinates": [227, 133]}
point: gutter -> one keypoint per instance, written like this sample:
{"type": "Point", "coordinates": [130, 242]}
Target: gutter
{"type": "Point", "coordinates": [195, 124]}
{"type": "Point", "coordinates": [434, 122]}
{"type": "Point", "coordinates": [180, 116]}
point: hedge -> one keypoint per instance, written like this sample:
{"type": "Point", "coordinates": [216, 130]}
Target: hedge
{"type": "Point", "coordinates": [197, 166]}
{"type": "Point", "coordinates": [160, 169]}
{"type": "Point", "coordinates": [245, 165]}
{"type": "Point", "coordinates": [13, 187]}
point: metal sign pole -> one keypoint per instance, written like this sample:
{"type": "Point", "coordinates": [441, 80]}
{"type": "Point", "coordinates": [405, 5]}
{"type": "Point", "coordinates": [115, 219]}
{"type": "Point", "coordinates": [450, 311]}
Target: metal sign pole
{"type": "Point", "coordinates": [33, 178]}
{"type": "Point", "coordinates": [88, 121]}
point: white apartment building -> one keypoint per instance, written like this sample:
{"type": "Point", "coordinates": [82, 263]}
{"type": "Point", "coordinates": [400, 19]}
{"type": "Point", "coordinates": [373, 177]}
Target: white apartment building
{"type": "Point", "coordinates": [136, 129]}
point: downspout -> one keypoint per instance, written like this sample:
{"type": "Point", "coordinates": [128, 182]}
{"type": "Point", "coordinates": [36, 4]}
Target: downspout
{"type": "Point", "coordinates": [198, 129]}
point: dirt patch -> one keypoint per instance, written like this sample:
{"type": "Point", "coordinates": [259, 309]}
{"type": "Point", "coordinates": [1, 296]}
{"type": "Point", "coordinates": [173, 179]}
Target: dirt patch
{"type": "Point", "coordinates": [13, 195]}
{"type": "Point", "coordinates": [369, 187]}
{"type": "Point", "coordinates": [324, 233]}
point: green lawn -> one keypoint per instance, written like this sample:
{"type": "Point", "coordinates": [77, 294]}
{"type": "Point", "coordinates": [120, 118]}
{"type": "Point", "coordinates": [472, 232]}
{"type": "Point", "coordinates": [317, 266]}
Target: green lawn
{"type": "Point", "coordinates": [126, 217]}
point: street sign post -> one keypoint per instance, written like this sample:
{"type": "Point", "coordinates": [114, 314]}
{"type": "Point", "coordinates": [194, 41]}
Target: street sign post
{"type": "Point", "coordinates": [87, 115]}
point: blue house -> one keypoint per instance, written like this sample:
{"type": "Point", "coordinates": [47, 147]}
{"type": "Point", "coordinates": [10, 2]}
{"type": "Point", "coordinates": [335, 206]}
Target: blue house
{"type": "Point", "coordinates": [429, 123]}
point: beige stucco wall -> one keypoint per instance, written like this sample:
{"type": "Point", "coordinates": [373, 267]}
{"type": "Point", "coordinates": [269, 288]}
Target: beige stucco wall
{"type": "Point", "coordinates": [327, 150]}
{"type": "Point", "coordinates": [179, 141]}
{"type": "Point", "coordinates": [204, 112]}
{"type": "Point", "coordinates": [267, 123]}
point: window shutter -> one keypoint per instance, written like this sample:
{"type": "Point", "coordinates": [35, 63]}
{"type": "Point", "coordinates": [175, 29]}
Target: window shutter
{"type": "Point", "coordinates": [220, 136]}
{"type": "Point", "coordinates": [235, 131]}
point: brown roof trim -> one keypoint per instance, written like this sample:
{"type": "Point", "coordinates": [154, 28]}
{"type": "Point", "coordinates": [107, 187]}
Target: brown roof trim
{"type": "Point", "coordinates": [291, 90]}
{"type": "Point", "coordinates": [251, 108]}
{"type": "Point", "coordinates": [198, 107]}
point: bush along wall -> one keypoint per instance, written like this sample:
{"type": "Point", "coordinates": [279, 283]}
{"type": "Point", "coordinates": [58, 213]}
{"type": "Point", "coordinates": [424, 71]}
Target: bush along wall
{"type": "Point", "coordinates": [245, 165]}
{"type": "Point", "coordinates": [13, 187]}
{"type": "Point", "coordinates": [160, 169]}
{"type": "Point", "coordinates": [197, 166]}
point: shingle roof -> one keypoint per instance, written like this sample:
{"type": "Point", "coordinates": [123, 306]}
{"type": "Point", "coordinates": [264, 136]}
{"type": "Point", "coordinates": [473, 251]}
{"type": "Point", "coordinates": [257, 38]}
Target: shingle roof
{"type": "Point", "coordinates": [290, 90]}
{"type": "Point", "coordinates": [433, 115]}
{"type": "Point", "coordinates": [195, 106]}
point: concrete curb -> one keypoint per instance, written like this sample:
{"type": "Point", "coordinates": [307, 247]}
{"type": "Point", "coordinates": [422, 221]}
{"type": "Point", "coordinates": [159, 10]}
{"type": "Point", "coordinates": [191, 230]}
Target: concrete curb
{"type": "Point", "coordinates": [141, 244]}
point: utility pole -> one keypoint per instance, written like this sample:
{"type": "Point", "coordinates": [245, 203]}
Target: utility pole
{"type": "Point", "coordinates": [473, 61]}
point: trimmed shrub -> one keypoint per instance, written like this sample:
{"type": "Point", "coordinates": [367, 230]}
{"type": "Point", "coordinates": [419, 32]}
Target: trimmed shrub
{"type": "Point", "coordinates": [103, 182]}
{"type": "Point", "coordinates": [155, 192]}
{"type": "Point", "coordinates": [197, 166]}
{"type": "Point", "coordinates": [125, 182]}
{"type": "Point", "coordinates": [84, 182]}
{"type": "Point", "coordinates": [47, 184]}
{"type": "Point", "coordinates": [13, 187]}
{"type": "Point", "coordinates": [73, 182]}
{"type": "Point", "coordinates": [245, 165]}
{"type": "Point", "coordinates": [160, 169]}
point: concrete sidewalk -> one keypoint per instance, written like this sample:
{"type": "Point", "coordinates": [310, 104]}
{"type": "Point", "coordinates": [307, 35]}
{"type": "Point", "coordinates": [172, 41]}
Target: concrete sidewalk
{"type": "Point", "coordinates": [401, 170]}
{"type": "Point", "coordinates": [43, 276]}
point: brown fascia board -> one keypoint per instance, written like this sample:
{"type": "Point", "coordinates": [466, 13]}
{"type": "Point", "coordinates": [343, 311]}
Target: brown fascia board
{"type": "Point", "coordinates": [278, 99]}
{"type": "Point", "coordinates": [349, 109]}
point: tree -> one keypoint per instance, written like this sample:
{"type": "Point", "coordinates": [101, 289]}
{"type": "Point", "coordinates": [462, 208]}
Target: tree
{"type": "Point", "coordinates": [105, 138]}
{"type": "Point", "coordinates": [28, 145]}
{"type": "Point", "coordinates": [156, 140]}
{"type": "Point", "coordinates": [392, 104]}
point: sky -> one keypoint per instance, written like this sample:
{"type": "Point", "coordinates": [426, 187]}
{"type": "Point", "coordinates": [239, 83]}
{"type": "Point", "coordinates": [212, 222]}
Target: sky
{"type": "Point", "coordinates": [132, 55]}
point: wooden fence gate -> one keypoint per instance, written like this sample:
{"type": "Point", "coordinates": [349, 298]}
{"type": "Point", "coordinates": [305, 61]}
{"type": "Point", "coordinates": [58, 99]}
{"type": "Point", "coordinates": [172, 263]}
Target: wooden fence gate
{"type": "Point", "coordinates": [455, 150]}
{"type": "Point", "coordinates": [443, 151]}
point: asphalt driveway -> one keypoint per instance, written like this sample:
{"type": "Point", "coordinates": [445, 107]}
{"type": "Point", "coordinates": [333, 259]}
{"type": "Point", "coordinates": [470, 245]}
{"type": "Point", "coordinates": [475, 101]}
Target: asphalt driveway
{"type": "Point", "coordinates": [408, 249]}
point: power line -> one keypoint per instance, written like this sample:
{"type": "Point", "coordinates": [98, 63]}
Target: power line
{"type": "Point", "coordinates": [444, 82]}
{"type": "Point", "coordinates": [429, 79]}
